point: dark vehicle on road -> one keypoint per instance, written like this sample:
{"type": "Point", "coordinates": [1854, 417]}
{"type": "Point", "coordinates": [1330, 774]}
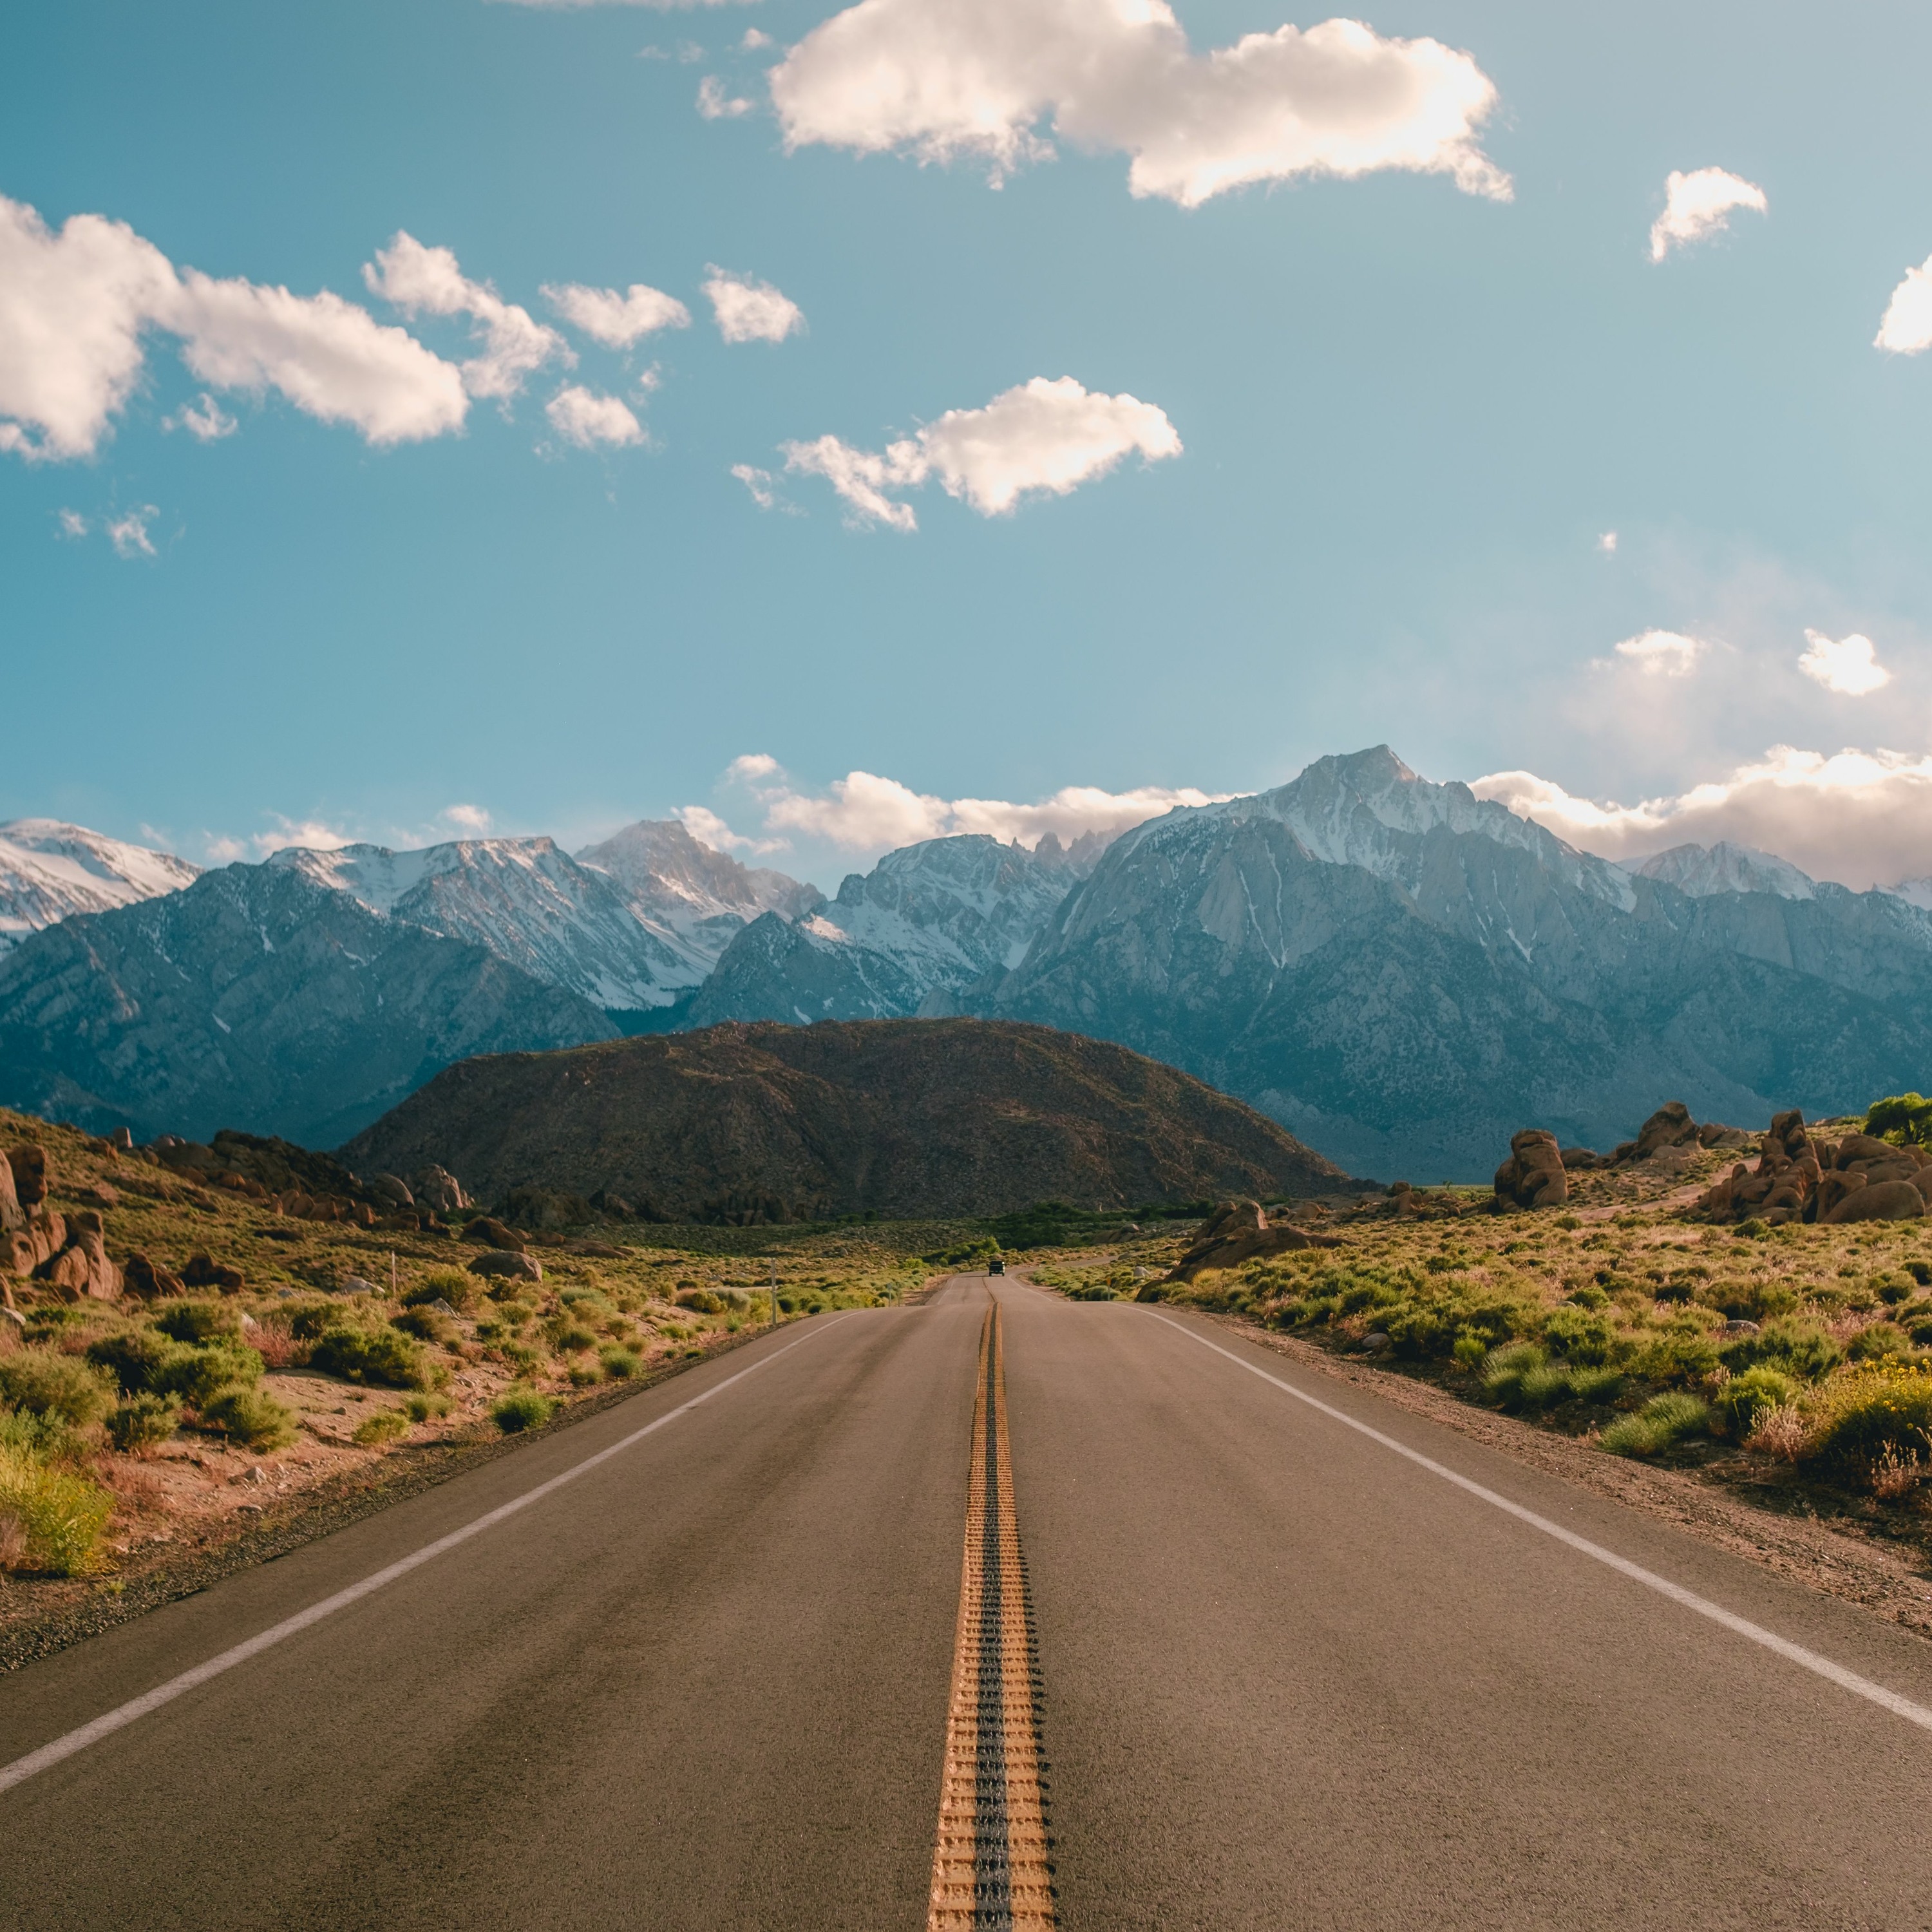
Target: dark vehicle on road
{"type": "Point", "coordinates": [997, 1265]}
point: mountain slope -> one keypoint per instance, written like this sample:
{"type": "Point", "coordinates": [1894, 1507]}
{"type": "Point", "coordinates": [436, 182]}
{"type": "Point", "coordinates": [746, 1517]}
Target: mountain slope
{"type": "Point", "coordinates": [929, 919]}
{"type": "Point", "coordinates": [50, 870]}
{"type": "Point", "coordinates": [1404, 975]}
{"type": "Point", "coordinates": [902, 1117]}
{"type": "Point", "coordinates": [255, 999]}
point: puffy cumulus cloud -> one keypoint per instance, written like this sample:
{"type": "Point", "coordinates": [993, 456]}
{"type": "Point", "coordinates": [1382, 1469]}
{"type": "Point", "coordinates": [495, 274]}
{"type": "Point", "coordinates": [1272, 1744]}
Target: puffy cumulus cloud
{"type": "Point", "coordinates": [584, 418]}
{"type": "Point", "coordinates": [1907, 327]}
{"type": "Point", "coordinates": [1043, 438]}
{"type": "Point", "coordinates": [334, 361]}
{"type": "Point", "coordinates": [421, 280]}
{"type": "Point", "coordinates": [1700, 204]}
{"type": "Point", "coordinates": [708, 829]}
{"type": "Point", "coordinates": [1864, 818]}
{"type": "Point", "coordinates": [468, 821]}
{"type": "Point", "coordinates": [75, 306]}
{"type": "Point", "coordinates": [949, 78]}
{"type": "Point", "coordinates": [865, 812]}
{"type": "Point", "coordinates": [1847, 665]}
{"type": "Point", "coordinates": [748, 310]}
{"type": "Point", "coordinates": [617, 321]}
{"type": "Point", "coordinates": [1662, 653]}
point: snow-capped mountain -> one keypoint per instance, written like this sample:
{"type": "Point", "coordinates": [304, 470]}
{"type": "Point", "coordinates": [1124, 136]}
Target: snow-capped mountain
{"type": "Point", "coordinates": [49, 870]}
{"type": "Point", "coordinates": [527, 900]}
{"type": "Point", "coordinates": [693, 898]}
{"type": "Point", "coordinates": [926, 923]}
{"type": "Point", "coordinates": [1702, 870]}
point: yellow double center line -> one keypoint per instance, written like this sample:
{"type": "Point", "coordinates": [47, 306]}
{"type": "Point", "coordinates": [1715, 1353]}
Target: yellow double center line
{"type": "Point", "coordinates": [990, 1864]}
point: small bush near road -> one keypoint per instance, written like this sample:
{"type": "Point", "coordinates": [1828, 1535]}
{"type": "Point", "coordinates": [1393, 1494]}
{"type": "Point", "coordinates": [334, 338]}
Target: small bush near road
{"type": "Point", "coordinates": [380, 1356]}
{"type": "Point", "coordinates": [57, 1518]}
{"type": "Point", "coordinates": [251, 1417]}
{"type": "Point", "coordinates": [46, 1382]}
{"type": "Point", "coordinates": [1663, 1420]}
{"type": "Point", "coordinates": [1746, 1399]}
{"type": "Point", "coordinates": [141, 1421]}
{"type": "Point", "coordinates": [620, 1364]}
{"type": "Point", "coordinates": [519, 1409]}
{"type": "Point", "coordinates": [382, 1425]}
{"type": "Point", "coordinates": [1885, 1409]}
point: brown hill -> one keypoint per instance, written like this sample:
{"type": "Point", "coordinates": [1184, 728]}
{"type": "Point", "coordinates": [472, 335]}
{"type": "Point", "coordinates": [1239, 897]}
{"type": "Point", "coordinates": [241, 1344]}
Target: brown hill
{"type": "Point", "coordinates": [902, 1117]}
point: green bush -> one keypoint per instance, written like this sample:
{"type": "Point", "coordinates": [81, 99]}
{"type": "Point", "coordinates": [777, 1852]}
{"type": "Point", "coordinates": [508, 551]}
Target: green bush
{"type": "Point", "coordinates": [1877, 1340]}
{"type": "Point", "coordinates": [1801, 1348]}
{"type": "Point", "coordinates": [1893, 1287]}
{"type": "Point", "coordinates": [1882, 1409]}
{"type": "Point", "coordinates": [1580, 1334]}
{"type": "Point", "coordinates": [1663, 1421]}
{"type": "Point", "coordinates": [1899, 1118]}
{"type": "Point", "coordinates": [1749, 1300]}
{"type": "Point", "coordinates": [309, 1319]}
{"type": "Point", "coordinates": [62, 1387]}
{"type": "Point", "coordinates": [1745, 1400]}
{"type": "Point", "coordinates": [422, 1408]}
{"type": "Point", "coordinates": [141, 1421]}
{"type": "Point", "coordinates": [620, 1364]}
{"type": "Point", "coordinates": [61, 1516]}
{"type": "Point", "coordinates": [426, 1325]}
{"type": "Point", "coordinates": [571, 1337]}
{"type": "Point", "coordinates": [249, 1416]}
{"type": "Point", "coordinates": [378, 1357]}
{"type": "Point", "coordinates": [382, 1425]}
{"type": "Point", "coordinates": [518, 1409]}
{"type": "Point", "coordinates": [135, 1357]}
{"type": "Point", "coordinates": [198, 1321]}
{"type": "Point", "coordinates": [198, 1375]}
{"type": "Point", "coordinates": [453, 1286]}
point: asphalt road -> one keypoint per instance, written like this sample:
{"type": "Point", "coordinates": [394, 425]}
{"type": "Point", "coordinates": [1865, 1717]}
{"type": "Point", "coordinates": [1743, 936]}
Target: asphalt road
{"type": "Point", "coordinates": [1289, 1678]}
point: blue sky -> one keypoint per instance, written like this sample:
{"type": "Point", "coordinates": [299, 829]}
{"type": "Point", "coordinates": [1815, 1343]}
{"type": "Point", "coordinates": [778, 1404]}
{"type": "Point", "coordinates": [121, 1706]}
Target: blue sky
{"type": "Point", "coordinates": [1408, 415]}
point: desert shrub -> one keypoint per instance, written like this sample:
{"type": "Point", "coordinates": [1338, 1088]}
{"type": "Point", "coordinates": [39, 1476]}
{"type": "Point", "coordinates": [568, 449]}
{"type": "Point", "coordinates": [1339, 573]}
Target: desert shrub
{"type": "Point", "coordinates": [1749, 1300]}
{"type": "Point", "coordinates": [1469, 1349]}
{"type": "Point", "coordinates": [198, 1375]}
{"type": "Point", "coordinates": [141, 1421]}
{"type": "Point", "coordinates": [1801, 1349]}
{"type": "Point", "coordinates": [50, 1384]}
{"type": "Point", "coordinates": [703, 1301]}
{"type": "Point", "coordinates": [1598, 1384]}
{"type": "Point", "coordinates": [382, 1425]}
{"type": "Point", "coordinates": [1522, 1376]}
{"type": "Point", "coordinates": [1743, 1401]}
{"type": "Point", "coordinates": [518, 1409]}
{"type": "Point", "coordinates": [1663, 1421]}
{"type": "Point", "coordinates": [453, 1286]}
{"type": "Point", "coordinates": [1580, 1334]}
{"type": "Point", "coordinates": [248, 1415]}
{"type": "Point", "coordinates": [619, 1363]}
{"type": "Point", "coordinates": [46, 1436]}
{"type": "Point", "coordinates": [1888, 1406]}
{"type": "Point", "coordinates": [571, 1337]}
{"type": "Point", "coordinates": [578, 1297]}
{"type": "Point", "coordinates": [309, 1319]}
{"type": "Point", "coordinates": [1920, 1271]}
{"type": "Point", "coordinates": [379, 1357]}
{"type": "Point", "coordinates": [1921, 1331]}
{"type": "Point", "coordinates": [1899, 1118]}
{"type": "Point", "coordinates": [584, 1375]}
{"type": "Point", "coordinates": [1596, 1294]}
{"type": "Point", "coordinates": [426, 1325]}
{"type": "Point", "coordinates": [60, 1516]}
{"type": "Point", "coordinates": [1893, 1287]}
{"type": "Point", "coordinates": [198, 1321]}
{"type": "Point", "coordinates": [1780, 1432]}
{"type": "Point", "coordinates": [134, 1358]}
{"type": "Point", "coordinates": [964, 1255]}
{"type": "Point", "coordinates": [1676, 1356]}
{"type": "Point", "coordinates": [1877, 1340]}
{"type": "Point", "coordinates": [422, 1408]}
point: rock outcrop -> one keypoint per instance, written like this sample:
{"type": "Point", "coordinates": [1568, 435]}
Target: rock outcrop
{"type": "Point", "coordinates": [1802, 1177]}
{"type": "Point", "coordinates": [1239, 1232]}
{"type": "Point", "coordinates": [1533, 1176]}
{"type": "Point", "coordinates": [438, 1190]}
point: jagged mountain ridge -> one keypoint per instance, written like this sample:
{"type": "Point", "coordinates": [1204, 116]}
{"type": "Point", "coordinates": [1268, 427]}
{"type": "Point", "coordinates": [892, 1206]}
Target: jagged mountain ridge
{"type": "Point", "coordinates": [50, 870]}
{"type": "Point", "coordinates": [1403, 974]}
{"type": "Point", "coordinates": [257, 998]}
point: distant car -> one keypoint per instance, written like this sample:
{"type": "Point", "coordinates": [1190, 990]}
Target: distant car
{"type": "Point", "coordinates": [997, 1265]}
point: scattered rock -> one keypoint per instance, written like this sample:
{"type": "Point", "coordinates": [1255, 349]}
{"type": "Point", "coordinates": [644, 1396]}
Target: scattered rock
{"type": "Point", "coordinates": [1577, 1159]}
{"type": "Point", "coordinates": [507, 1262]}
{"type": "Point", "coordinates": [1739, 1327]}
{"type": "Point", "coordinates": [148, 1278]}
{"type": "Point", "coordinates": [1238, 1232]}
{"type": "Point", "coordinates": [386, 1187]}
{"type": "Point", "coordinates": [121, 1140]}
{"type": "Point", "coordinates": [1877, 1201]}
{"type": "Point", "coordinates": [1670, 1126]}
{"type": "Point", "coordinates": [1783, 1187]}
{"type": "Point", "coordinates": [491, 1233]}
{"type": "Point", "coordinates": [436, 1188]}
{"type": "Point", "coordinates": [354, 1284]}
{"type": "Point", "coordinates": [1533, 1176]}
{"type": "Point", "coordinates": [204, 1271]}
{"type": "Point", "coordinates": [31, 1179]}
{"type": "Point", "coordinates": [1375, 1344]}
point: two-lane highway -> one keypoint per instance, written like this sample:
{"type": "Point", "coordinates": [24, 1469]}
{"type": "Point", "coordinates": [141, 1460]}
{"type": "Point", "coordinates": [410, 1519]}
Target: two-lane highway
{"type": "Point", "coordinates": [1288, 1675]}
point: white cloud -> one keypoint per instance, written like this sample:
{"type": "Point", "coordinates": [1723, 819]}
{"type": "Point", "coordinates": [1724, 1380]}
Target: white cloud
{"type": "Point", "coordinates": [748, 310]}
{"type": "Point", "coordinates": [129, 534]}
{"type": "Point", "coordinates": [755, 39]}
{"type": "Point", "coordinates": [708, 829]}
{"type": "Point", "coordinates": [1662, 653]}
{"type": "Point", "coordinates": [657, 6]}
{"type": "Point", "coordinates": [73, 307]}
{"type": "Point", "coordinates": [864, 812]}
{"type": "Point", "coordinates": [204, 419]}
{"type": "Point", "coordinates": [714, 104]}
{"type": "Point", "coordinates": [759, 482]}
{"type": "Point", "coordinates": [582, 417]}
{"type": "Point", "coordinates": [1907, 328]}
{"type": "Point", "coordinates": [1863, 818]}
{"type": "Point", "coordinates": [469, 821]}
{"type": "Point", "coordinates": [1042, 438]}
{"type": "Point", "coordinates": [1700, 204]}
{"type": "Point", "coordinates": [1847, 665]}
{"type": "Point", "coordinates": [945, 80]}
{"type": "Point", "coordinates": [1607, 543]}
{"type": "Point", "coordinates": [72, 523]}
{"type": "Point", "coordinates": [617, 321]}
{"type": "Point", "coordinates": [428, 281]}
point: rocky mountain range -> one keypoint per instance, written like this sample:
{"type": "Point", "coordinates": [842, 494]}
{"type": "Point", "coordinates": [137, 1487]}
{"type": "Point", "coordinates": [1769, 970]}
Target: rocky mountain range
{"type": "Point", "coordinates": [775, 1123]}
{"type": "Point", "coordinates": [1400, 973]}
{"type": "Point", "coordinates": [49, 871]}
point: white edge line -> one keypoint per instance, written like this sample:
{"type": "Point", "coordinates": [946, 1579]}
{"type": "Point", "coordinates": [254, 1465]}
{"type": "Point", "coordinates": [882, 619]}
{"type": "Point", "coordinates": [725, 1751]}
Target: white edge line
{"type": "Point", "coordinates": [1793, 1653]}
{"type": "Point", "coordinates": [48, 1755]}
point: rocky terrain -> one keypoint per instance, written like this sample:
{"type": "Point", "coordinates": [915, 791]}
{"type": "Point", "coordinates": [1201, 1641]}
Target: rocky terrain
{"type": "Point", "coordinates": [894, 1118]}
{"type": "Point", "coordinates": [256, 996]}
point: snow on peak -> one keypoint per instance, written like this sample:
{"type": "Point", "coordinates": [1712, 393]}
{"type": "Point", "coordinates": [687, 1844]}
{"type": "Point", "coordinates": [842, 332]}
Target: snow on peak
{"type": "Point", "coordinates": [1702, 870]}
{"type": "Point", "coordinates": [50, 870]}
